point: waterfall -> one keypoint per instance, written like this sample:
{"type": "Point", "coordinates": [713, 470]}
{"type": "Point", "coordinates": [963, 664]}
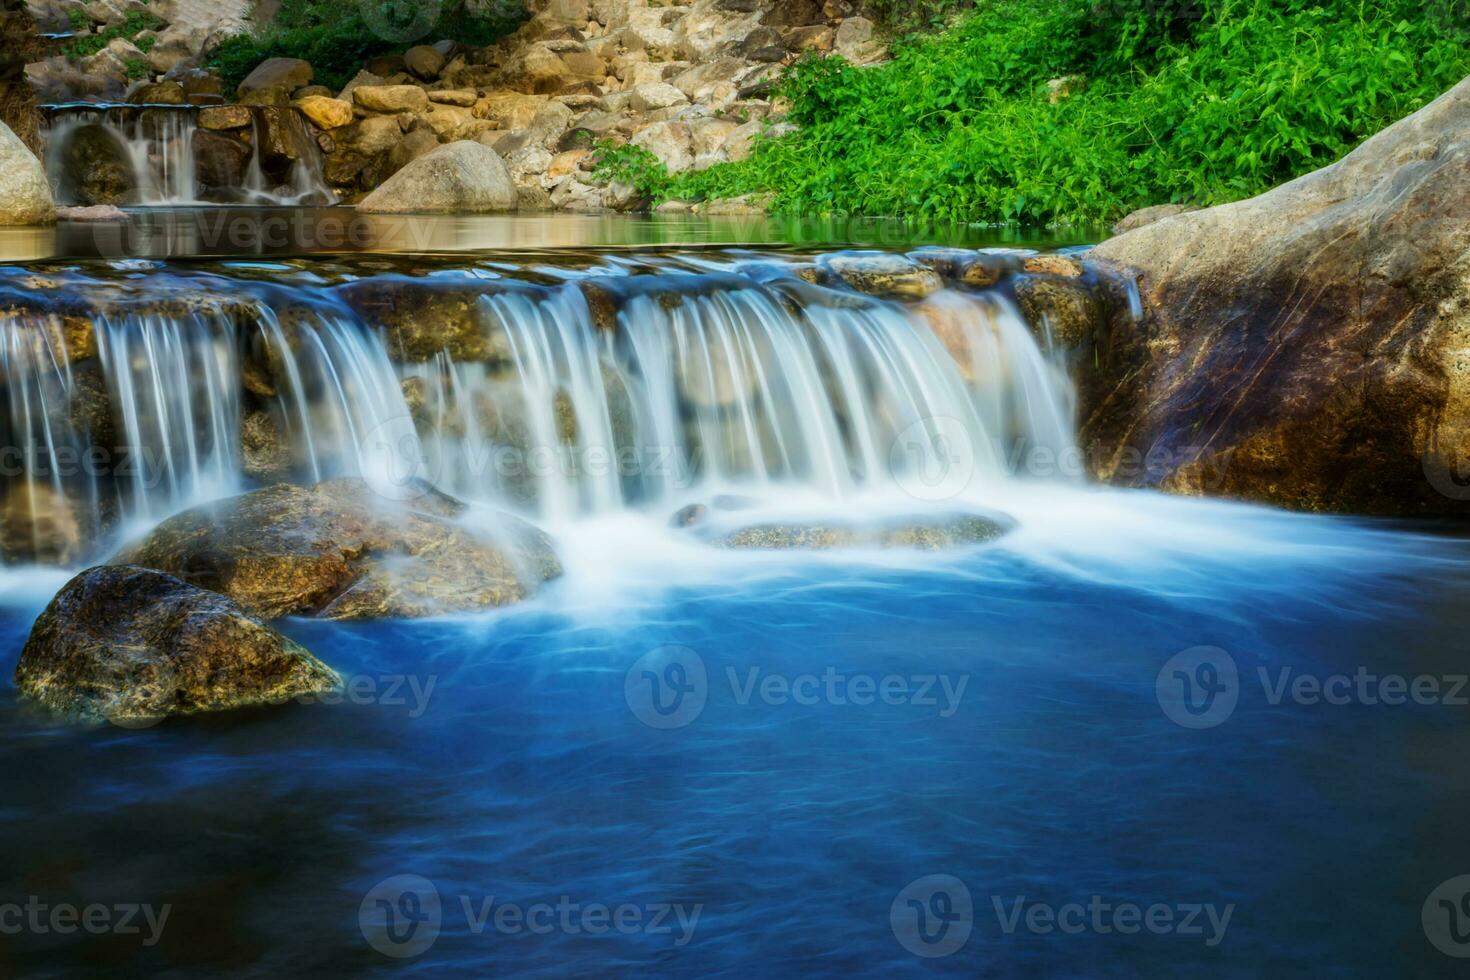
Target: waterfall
{"type": "Point", "coordinates": [153, 150]}
{"type": "Point", "coordinates": [579, 398]}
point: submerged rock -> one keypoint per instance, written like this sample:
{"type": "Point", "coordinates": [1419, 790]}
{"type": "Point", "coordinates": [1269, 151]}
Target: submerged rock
{"type": "Point", "coordinates": [463, 177]}
{"type": "Point", "coordinates": [132, 645]}
{"type": "Point", "coordinates": [917, 533]}
{"type": "Point", "coordinates": [341, 551]}
{"type": "Point", "coordinates": [1306, 347]}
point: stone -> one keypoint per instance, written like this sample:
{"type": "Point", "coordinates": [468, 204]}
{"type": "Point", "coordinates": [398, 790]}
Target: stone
{"type": "Point", "coordinates": [391, 98]}
{"type": "Point", "coordinates": [660, 95]}
{"type": "Point", "coordinates": [324, 111]}
{"type": "Point", "coordinates": [1147, 216]}
{"type": "Point", "coordinates": [764, 44]}
{"type": "Point", "coordinates": [920, 534]}
{"type": "Point", "coordinates": [41, 523]}
{"type": "Point", "coordinates": [1055, 265]}
{"type": "Point", "coordinates": [223, 117]}
{"type": "Point", "coordinates": [158, 93]}
{"type": "Point", "coordinates": [885, 275]}
{"type": "Point", "coordinates": [25, 193]}
{"type": "Point", "coordinates": [1065, 87]}
{"type": "Point", "coordinates": [92, 214]}
{"type": "Point", "coordinates": [465, 98]}
{"type": "Point", "coordinates": [133, 646]}
{"type": "Point", "coordinates": [424, 62]}
{"type": "Point", "coordinates": [358, 81]}
{"type": "Point", "coordinates": [1306, 347]}
{"type": "Point", "coordinates": [220, 161]}
{"type": "Point", "coordinates": [854, 41]}
{"type": "Point", "coordinates": [742, 204]}
{"type": "Point", "coordinates": [1064, 310]}
{"type": "Point", "coordinates": [340, 550]}
{"type": "Point", "coordinates": [307, 91]}
{"type": "Point", "coordinates": [271, 95]}
{"type": "Point", "coordinates": [451, 123]}
{"type": "Point", "coordinates": [431, 317]}
{"type": "Point", "coordinates": [282, 73]}
{"type": "Point", "coordinates": [818, 38]}
{"type": "Point", "coordinates": [377, 134]}
{"type": "Point", "coordinates": [265, 453]}
{"type": "Point", "coordinates": [671, 142]}
{"type": "Point", "coordinates": [96, 168]}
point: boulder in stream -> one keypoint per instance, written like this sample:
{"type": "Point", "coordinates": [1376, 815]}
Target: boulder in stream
{"type": "Point", "coordinates": [1309, 347]}
{"type": "Point", "coordinates": [339, 550]}
{"type": "Point", "coordinates": [131, 646]}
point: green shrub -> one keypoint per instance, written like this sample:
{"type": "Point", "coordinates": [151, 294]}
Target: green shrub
{"type": "Point", "coordinates": [1198, 101]}
{"type": "Point", "coordinates": [137, 68]}
{"type": "Point", "coordinates": [629, 164]}
{"type": "Point", "coordinates": [336, 39]}
{"type": "Point", "coordinates": [135, 23]}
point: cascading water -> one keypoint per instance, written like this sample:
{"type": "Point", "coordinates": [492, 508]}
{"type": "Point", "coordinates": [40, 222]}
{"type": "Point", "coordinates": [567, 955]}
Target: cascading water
{"type": "Point", "coordinates": [148, 155]}
{"type": "Point", "coordinates": [745, 380]}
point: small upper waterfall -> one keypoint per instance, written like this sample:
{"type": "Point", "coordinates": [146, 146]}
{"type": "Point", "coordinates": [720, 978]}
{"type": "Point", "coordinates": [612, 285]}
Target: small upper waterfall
{"type": "Point", "coordinates": [102, 153]}
{"type": "Point", "coordinates": [558, 399]}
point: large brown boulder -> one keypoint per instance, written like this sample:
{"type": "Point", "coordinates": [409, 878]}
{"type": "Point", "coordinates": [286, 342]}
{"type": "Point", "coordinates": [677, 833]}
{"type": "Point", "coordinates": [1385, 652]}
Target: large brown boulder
{"type": "Point", "coordinates": [342, 551]}
{"type": "Point", "coordinates": [132, 646]}
{"type": "Point", "coordinates": [282, 74]}
{"type": "Point", "coordinates": [462, 177]}
{"type": "Point", "coordinates": [1309, 347]}
{"type": "Point", "coordinates": [96, 168]}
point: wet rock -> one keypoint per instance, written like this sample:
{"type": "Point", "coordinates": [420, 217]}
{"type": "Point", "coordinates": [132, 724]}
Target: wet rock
{"type": "Point", "coordinates": [265, 455]}
{"type": "Point", "coordinates": [40, 523]}
{"type": "Point", "coordinates": [422, 318]}
{"type": "Point", "coordinates": [132, 646]}
{"type": "Point", "coordinates": [96, 169]}
{"type": "Point", "coordinates": [391, 98]}
{"type": "Point", "coordinates": [1053, 265]}
{"type": "Point", "coordinates": [220, 161]}
{"type": "Point", "coordinates": [1306, 347]}
{"type": "Point", "coordinates": [689, 516]}
{"type": "Point", "coordinates": [1066, 309]}
{"type": "Point", "coordinates": [885, 275]}
{"type": "Point", "coordinates": [289, 74]}
{"type": "Point", "coordinates": [462, 177]}
{"type": "Point", "coordinates": [339, 550]}
{"type": "Point", "coordinates": [919, 534]}
{"type": "Point", "coordinates": [326, 112]}
{"type": "Point", "coordinates": [224, 117]}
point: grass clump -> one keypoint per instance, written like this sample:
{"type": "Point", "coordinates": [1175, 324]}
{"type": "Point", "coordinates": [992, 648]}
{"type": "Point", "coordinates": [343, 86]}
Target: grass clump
{"type": "Point", "coordinates": [1193, 101]}
{"type": "Point", "coordinates": [136, 22]}
{"type": "Point", "coordinates": [336, 37]}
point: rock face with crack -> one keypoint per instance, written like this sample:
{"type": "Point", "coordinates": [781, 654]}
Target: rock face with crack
{"type": "Point", "coordinates": [1309, 347]}
{"type": "Point", "coordinates": [341, 551]}
{"type": "Point", "coordinates": [131, 645]}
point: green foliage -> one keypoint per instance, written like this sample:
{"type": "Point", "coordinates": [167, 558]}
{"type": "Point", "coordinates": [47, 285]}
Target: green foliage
{"type": "Point", "coordinates": [134, 24]}
{"type": "Point", "coordinates": [632, 165]}
{"type": "Point", "coordinates": [336, 38]}
{"type": "Point", "coordinates": [1198, 101]}
{"type": "Point", "coordinates": [79, 19]}
{"type": "Point", "coordinates": [137, 68]}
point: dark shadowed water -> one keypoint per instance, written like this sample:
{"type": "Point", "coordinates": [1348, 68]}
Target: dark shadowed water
{"type": "Point", "coordinates": [1011, 737]}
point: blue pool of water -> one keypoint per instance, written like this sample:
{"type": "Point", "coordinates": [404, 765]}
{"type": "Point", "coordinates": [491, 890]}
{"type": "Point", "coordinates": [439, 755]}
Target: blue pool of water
{"type": "Point", "coordinates": [517, 760]}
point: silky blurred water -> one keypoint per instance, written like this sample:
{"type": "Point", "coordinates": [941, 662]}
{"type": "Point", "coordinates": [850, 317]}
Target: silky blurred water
{"type": "Point", "coordinates": [527, 773]}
